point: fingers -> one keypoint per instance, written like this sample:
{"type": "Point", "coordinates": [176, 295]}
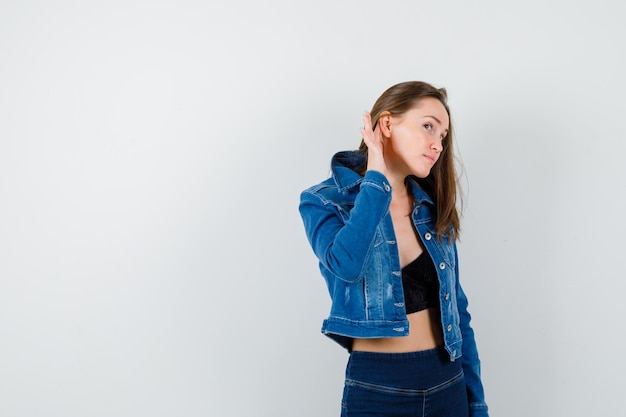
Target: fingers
{"type": "Point", "coordinates": [378, 135]}
{"type": "Point", "coordinates": [367, 121]}
{"type": "Point", "coordinates": [374, 141]}
{"type": "Point", "coordinates": [367, 126]}
{"type": "Point", "coordinates": [372, 138]}
{"type": "Point", "coordinates": [370, 135]}
{"type": "Point", "coordinates": [366, 130]}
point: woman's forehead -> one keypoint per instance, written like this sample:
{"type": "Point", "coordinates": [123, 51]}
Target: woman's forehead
{"type": "Point", "coordinates": [431, 107]}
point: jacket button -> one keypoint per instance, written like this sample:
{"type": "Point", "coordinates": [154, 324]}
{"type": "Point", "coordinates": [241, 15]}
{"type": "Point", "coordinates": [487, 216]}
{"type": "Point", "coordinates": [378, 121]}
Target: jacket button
{"type": "Point", "coordinates": [428, 236]}
{"type": "Point", "coordinates": [454, 352]}
{"type": "Point", "coordinates": [449, 327]}
{"type": "Point", "coordinates": [387, 187]}
{"type": "Point", "coordinates": [447, 296]}
{"type": "Point", "coordinates": [442, 266]}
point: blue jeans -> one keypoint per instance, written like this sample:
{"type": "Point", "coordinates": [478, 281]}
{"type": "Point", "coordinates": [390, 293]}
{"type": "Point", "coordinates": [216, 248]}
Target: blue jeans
{"type": "Point", "coordinates": [424, 384]}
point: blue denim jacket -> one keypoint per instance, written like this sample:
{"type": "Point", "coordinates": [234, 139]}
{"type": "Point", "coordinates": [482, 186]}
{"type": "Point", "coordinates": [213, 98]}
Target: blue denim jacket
{"type": "Point", "coordinates": [348, 224]}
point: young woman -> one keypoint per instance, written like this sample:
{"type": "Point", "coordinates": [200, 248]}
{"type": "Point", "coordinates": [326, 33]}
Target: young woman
{"type": "Point", "coordinates": [384, 228]}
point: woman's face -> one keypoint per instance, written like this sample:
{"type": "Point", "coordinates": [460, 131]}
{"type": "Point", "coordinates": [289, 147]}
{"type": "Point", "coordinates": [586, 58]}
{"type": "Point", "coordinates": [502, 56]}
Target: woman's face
{"type": "Point", "coordinates": [416, 138]}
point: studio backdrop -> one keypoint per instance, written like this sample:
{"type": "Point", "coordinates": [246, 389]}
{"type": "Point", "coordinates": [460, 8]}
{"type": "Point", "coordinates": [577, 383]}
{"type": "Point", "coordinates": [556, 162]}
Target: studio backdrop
{"type": "Point", "coordinates": [152, 258]}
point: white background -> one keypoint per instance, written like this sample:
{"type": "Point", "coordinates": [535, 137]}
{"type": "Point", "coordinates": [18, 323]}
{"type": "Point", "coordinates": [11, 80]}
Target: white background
{"type": "Point", "coordinates": [152, 259]}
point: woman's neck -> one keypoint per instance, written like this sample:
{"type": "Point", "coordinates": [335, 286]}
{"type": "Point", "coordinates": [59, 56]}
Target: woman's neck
{"type": "Point", "coordinates": [398, 185]}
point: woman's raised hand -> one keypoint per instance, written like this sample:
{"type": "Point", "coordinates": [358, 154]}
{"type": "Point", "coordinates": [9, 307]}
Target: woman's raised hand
{"type": "Point", "coordinates": [374, 141]}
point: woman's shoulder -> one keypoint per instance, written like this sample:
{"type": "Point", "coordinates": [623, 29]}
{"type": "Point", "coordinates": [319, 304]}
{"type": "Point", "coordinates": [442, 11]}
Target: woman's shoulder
{"type": "Point", "coordinates": [332, 192]}
{"type": "Point", "coordinates": [342, 184]}
{"type": "Point", "coordinates": [326, 184]}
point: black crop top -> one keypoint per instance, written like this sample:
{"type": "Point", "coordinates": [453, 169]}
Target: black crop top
{"type": "Point", "coordinates": [420, 284]}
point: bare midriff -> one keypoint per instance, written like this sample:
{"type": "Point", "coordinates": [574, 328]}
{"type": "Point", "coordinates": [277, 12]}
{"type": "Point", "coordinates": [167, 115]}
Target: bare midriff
{"type": "Point", "coordinates": [424, 333]}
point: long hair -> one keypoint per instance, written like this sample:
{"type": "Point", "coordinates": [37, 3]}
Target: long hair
{"type": "Point", "coordinates": [441, 183]}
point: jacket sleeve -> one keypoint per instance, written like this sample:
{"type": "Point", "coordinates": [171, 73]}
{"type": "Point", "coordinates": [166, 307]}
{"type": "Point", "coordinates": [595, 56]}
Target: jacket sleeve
{"type": "Point", "coordinates": [343, 245]}
{"type": "Point", "coordinates": [469, 358]}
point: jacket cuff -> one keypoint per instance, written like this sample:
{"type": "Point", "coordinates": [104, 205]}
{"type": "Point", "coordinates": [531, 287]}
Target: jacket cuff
{"type": "Point", "coordinates": [377, 179]}
{"type": "Point", "coordinates": [479, 410]}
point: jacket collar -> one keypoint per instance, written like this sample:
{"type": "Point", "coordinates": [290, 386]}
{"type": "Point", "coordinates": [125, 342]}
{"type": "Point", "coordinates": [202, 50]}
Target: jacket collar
{"type": "Point", "coordinates": [343, 168]}
{"type": "Point", "coordinates": [420, 195]}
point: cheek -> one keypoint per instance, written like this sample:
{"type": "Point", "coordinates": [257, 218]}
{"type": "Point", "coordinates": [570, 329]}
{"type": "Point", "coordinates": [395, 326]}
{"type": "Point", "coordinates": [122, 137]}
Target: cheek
{"type": "Point", "coordinates": [402, 147]}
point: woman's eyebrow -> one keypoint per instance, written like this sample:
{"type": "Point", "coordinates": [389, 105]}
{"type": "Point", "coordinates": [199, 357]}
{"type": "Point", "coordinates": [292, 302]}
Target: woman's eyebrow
{"type": "Point", "coordinates": [438, 121]}
{"type": "Point", "coordinates": [433, 117]}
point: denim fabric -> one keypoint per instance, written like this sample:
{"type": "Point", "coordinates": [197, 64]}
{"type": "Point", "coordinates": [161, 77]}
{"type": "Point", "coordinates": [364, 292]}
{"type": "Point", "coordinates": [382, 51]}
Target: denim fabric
{"type": "Point", "coordinates": [347, 222]}
{"type": "Point", "coordinates": [419, 384]}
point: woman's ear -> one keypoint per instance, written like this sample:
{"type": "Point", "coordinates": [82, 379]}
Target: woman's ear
{"type": "Point", "coordinates": [384, 121]}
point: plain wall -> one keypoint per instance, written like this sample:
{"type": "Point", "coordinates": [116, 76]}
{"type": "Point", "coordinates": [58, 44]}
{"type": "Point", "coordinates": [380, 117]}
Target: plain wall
{"type": "Point", "coordinates": [152, 258]}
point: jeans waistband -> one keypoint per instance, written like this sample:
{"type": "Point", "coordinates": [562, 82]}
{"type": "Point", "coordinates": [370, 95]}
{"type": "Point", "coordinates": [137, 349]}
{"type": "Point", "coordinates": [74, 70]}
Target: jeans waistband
{"type": "Point", "coordinates": [410, 370]}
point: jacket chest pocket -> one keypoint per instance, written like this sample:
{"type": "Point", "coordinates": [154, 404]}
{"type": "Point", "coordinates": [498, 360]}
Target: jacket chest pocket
{"type": "Point", "coordinates": [445, 251]}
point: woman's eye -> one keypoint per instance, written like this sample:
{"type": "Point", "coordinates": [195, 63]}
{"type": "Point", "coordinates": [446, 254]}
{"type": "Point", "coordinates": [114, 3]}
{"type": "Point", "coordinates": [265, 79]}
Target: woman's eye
{"type": "Point", "coordinates": [428, 126]}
